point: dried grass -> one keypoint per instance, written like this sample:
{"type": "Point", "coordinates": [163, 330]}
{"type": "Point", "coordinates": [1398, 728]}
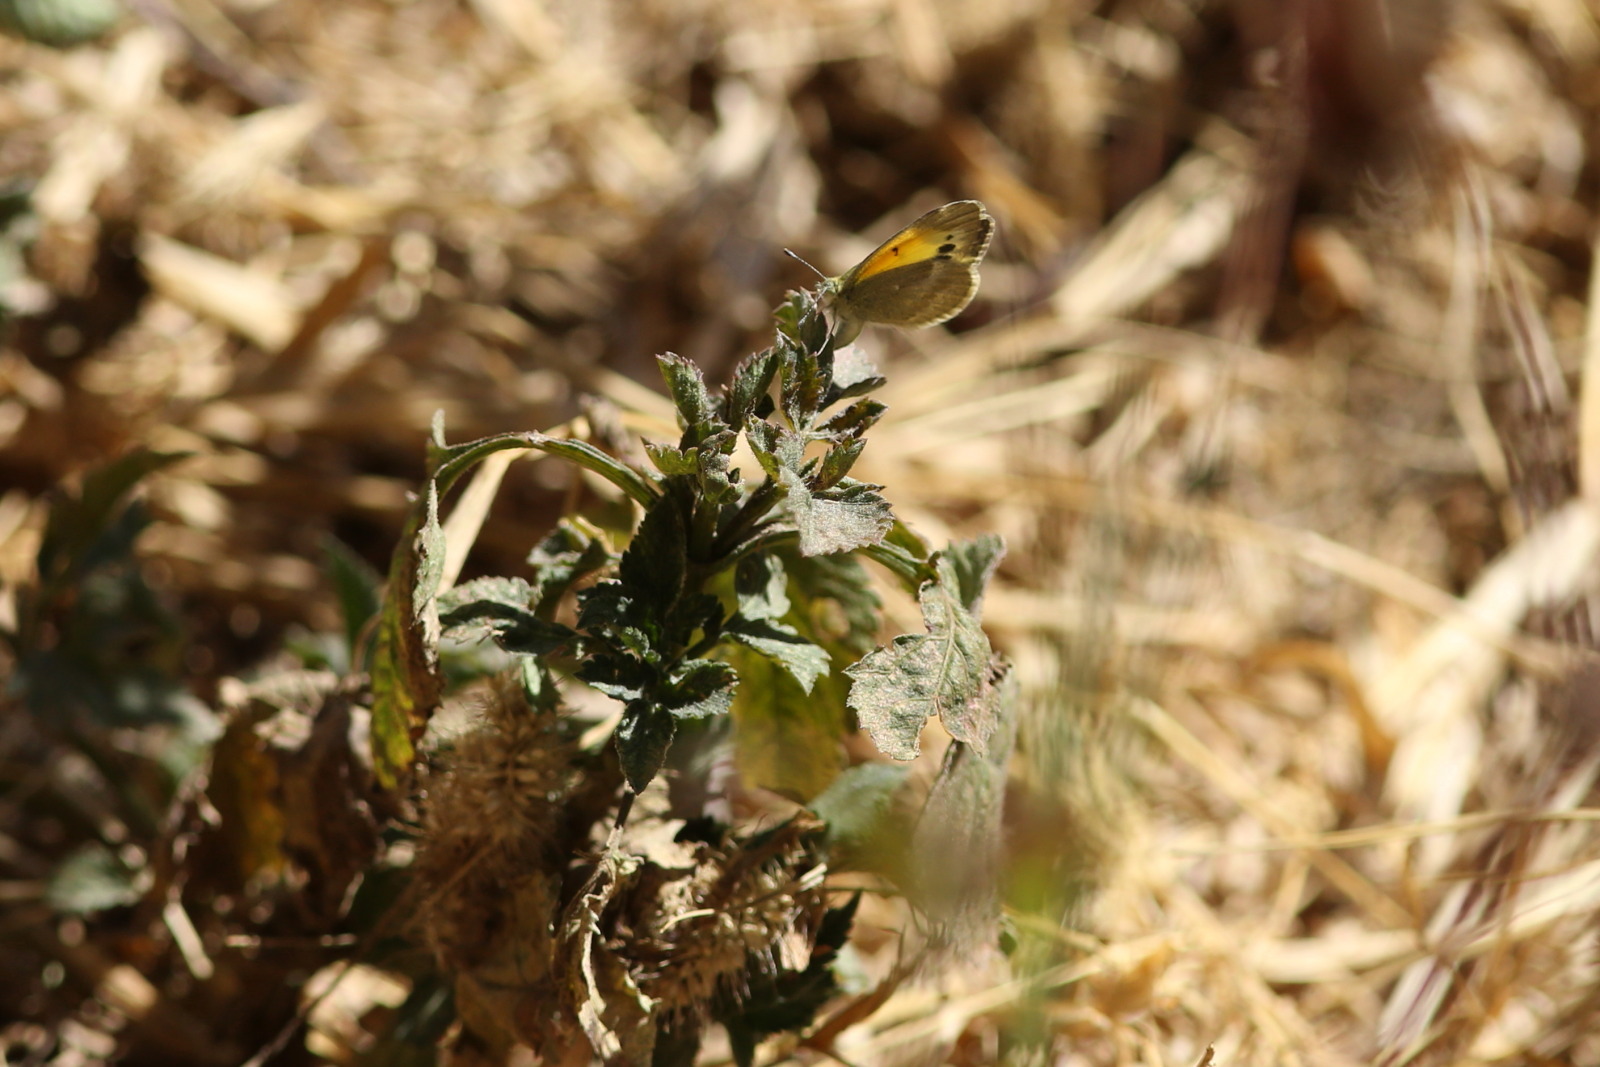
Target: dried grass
{"type": "Point", "coordinates": [1275, 387]}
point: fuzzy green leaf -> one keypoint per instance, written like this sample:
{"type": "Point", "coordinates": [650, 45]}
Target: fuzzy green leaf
{"type": "Point", "coordinates": [973, 563]}
{"type": "Point", "coordinates": [866, 828]}
{"type": "Point", "coordinates": [946, 672]}
{"type": "Point", "coordinates": [643, 737]}
{"type": "Point", "coordinates": [837, 463]}
{"type": "Point", "coordinates": [802, 387]}
{"type": "Point", "coordinates": [696, 410]}
{"type": "Point", "coordinates": [837, 606]}
{"type": "Point", "coordinates": [854, 420]}
{"type": "Point", "coordinates": [670, 460]}
{"type": "Point", "coordinates": [571, 551]}
{"type": "Point", "coordinates": [502, 607]}
{"type": "Point", "coordinates": [652, 570]}
{"type": "Point", "coordinates": [840, 518]}
{"type": "Point", "coordinates": [450, 462]}
{"type": "Point", "coordinates": [854, 374]}
{"type": "Point", "coordinates": [783, 644]}
{"type": "Point", "coordinates": [752, 379]}
{"type": "Point", "coordinates": [762, 587]}
{"type": "Point", "coordinates": [618, 675]}
{"type": "Point", "coordinates": [700, 688]}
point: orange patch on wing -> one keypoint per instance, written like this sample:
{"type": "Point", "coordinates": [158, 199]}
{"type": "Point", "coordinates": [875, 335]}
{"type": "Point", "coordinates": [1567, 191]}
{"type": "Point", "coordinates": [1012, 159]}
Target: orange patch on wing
{"type": "Point", "coordinates": [907, 248]}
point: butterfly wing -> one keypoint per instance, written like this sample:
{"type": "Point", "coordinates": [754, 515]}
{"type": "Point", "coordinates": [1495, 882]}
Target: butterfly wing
{"type": "Point", "coordinates": [922, 275]}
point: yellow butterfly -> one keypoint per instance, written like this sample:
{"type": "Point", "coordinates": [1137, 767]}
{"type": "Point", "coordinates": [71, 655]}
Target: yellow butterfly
{"type": "Point", "coordinates": [921, 276]}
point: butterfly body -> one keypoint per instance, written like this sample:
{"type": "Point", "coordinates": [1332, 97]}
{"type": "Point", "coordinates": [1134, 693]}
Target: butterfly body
{"type": "Point", "coordinates": [921, 276]}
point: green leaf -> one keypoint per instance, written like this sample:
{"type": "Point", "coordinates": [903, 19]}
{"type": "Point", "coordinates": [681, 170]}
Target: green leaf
{"type": "Point", "coordinates": [762, 587]}
{"type": "Point", "coordinates": [696, 411]}
{"type": "Point", "coordinates": [777, 449]}
{"type": "Point", "coordinates": [618, 675]}
{"type": "Point", "coordinates": [973, 563]}
{"type": "Point", "coordinates": [450, 462]}
{"type": "Point", "coordinates": [946, 672]}
{"type": "Point", "coordinates": [604, 606]}
{"type": "Point", "coordinates": [854, 420]}
{"type": "Point", "coordinates": [502, 607]}
{"type": "Point", "coordinates": [837, 463]}
{"type": "Point", "coordinates": [854, 374]}
{"type": "Point", "coordinates": [801, 322]}
{"type": "Point", "coordinates": [783, 644]}
{"type": "Point", "coordinates": [803, 385]}
{"type": "Point", "coordinates": [752, 379]}
{"type": "Point", "coordinates": [571, 551]}
{"type": "Point", "coordinates": [670, 459]}
{"type": "Point", "coordinates": [701, 687]}
{"type": "Point", "coordinates": [406, 683]}
{"type": "Point", "coordinates": [841, 518]}
{"type": "Point", "coordinates": [784, 739]}
{"type": "Point", "coordinates": [653, 568]}
{"type": "Point", "coordinates": [643, 737]}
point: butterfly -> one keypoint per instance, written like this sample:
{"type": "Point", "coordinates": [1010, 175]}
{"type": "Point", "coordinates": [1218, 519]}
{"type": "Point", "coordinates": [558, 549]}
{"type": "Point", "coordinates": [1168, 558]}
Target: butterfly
{"type": "Point", "coordinates": [921, 276]}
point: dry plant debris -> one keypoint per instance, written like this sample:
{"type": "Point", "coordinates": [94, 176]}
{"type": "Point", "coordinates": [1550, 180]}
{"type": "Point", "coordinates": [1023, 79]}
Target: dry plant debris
{"type": "Point", "coordinates": [1276, 386]}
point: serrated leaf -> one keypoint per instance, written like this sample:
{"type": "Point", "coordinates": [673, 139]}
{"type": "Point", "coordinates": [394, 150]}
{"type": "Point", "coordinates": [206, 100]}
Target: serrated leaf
{"type": "Point", "coordinates": [784, 739]}
{"type": "Point", "coordinates": [837, 463]}
{"type": "Point", "coordinates": [604, 606]}
{"type": "Point", "coordinates": [801, 322]}
{"type": "Point", "coordinates": [700, 688]}
{"type": "Point", "coordinates": [752, 379]}
{"type": "Point", "coordinates": [803, 385]}
{"type": "Point", "coordinates": [973, 563]}
{"type": "Point", "coordinates": [571, 551]}
{"type": "Point", "coordinates": [854, 371]}
{"type": "Point", "coordinates": [618, 675]}
{"type": "Point", "coordinates": [854, 420]}
{"type": "Point", "coordinates": [687, 386]}
{"type": "Point", "coordinates": [652, 569]}
{"type": "Point", "coordinates": [839, 519]}
{"type": "Point", "coordinates": [670, 460]}
{"type": "Point", "coordinates": [783, 644]}
{"type": "Point", "coordinates": [945, 672]}
{"type": "Point", "coordinates": [777, 449]}
{"type": "Point", "coordinates": [643, 737]}
{"type": "Point", "coordinates": [502, 608]}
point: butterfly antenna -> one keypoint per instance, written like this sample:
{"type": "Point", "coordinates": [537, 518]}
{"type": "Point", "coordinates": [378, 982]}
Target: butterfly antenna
{"type": "Point", "coordinates": [792, 254]}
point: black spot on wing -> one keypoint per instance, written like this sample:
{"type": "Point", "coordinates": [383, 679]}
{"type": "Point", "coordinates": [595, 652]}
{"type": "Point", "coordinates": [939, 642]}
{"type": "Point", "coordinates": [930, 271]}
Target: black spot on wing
{"type": "Point", "coordinates": [946, 248]}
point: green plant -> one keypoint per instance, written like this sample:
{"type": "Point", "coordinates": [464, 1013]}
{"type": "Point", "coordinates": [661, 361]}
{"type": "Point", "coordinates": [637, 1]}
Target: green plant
{"type": "Point", "coordinates": [738, 591]}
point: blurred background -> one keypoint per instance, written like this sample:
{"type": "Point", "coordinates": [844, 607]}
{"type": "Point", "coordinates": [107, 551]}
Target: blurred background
{"type": "Point", "coordinates": [1274, 386]}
